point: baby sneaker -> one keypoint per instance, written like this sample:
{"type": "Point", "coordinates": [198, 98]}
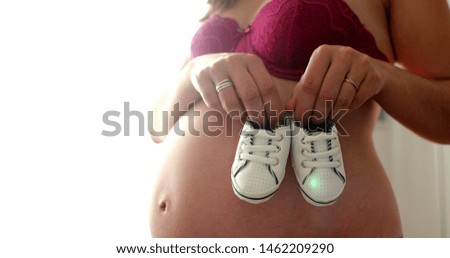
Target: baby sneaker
{"type": "Point", "coordinates": [260, 161]}
{"type": "Point", "coordinates": [317, 163]}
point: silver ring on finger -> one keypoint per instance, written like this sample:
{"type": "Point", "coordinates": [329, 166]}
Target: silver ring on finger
{"type": "Point", "coordinates": [352, 82]}
{"type": "Point", "coordinates": [223, 85]}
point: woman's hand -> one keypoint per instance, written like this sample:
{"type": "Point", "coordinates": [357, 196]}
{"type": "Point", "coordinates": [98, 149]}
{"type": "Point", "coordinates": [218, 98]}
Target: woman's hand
{"type": "Point", "coordinates": [253, 89]}
{"type": "Point", "coordinates": [337, 78]}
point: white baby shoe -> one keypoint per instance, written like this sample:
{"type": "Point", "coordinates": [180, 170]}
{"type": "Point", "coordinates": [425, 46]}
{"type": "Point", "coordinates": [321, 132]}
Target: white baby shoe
{"type": "Point", "coordinates": [317, 163]}
{"type": "Point", "coordinates": [260, 162]}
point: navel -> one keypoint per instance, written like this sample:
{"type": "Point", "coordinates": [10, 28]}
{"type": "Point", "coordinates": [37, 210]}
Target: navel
{"type": "Point", "coordinates": [162, 205]}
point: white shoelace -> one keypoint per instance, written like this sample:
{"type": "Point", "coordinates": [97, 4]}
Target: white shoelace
{"type": "Point", "coordinates": [250, 150]}
{"type": "Point", "coordinates": [313, 163]}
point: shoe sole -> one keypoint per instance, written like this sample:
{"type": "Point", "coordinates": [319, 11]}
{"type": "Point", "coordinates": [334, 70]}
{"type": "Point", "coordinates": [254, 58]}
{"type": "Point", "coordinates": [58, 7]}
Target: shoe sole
{"type": "Point", "coordinates": [253, 200]}
{"type": "Point", "coordinates": [317, 203]}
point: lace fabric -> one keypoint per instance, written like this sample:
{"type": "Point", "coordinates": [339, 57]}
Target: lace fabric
{"type": "Point", "coordinates": [286, 32]}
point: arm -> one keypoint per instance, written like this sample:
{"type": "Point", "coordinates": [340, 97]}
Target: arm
{"type": "Point", "coordinates": [421, 38]}
{"type": "Point", "coordinates": [181, 92]}
{"type": "Point", "coordinates": [252, 89]}
{"type": "Point", "coordinates": [418, 98]}
{"type": "Point", "coordinates": [422, 105]}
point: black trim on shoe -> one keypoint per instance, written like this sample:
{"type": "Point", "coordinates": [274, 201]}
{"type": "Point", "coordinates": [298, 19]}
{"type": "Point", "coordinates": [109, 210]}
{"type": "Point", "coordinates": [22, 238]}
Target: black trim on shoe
{"type": "Point", "coordinates": [318, 202]}
{"type": "Point", "coordinates": [325, 127]}
{"type": "Point", "coordinates": [269, 142]}
{"type": "Point", "coordinates": [253, 198]}
{"type": "Point", "coordinates": [339, 175]}
{"type": "Point", "coordinates": [240, 168]}
{"type": "Point", "coordinates": [273, 174]}
{"type": "Point", "coordinates": [335, 171]}
{"type": "Point", "coordinates": [330, 158]}
{"type": "Point", "coordinates": [246, 161]}
{"type": "Point", "coordinates": [269, 167]}
{"type": "Point", "coordinates": [306, 177]}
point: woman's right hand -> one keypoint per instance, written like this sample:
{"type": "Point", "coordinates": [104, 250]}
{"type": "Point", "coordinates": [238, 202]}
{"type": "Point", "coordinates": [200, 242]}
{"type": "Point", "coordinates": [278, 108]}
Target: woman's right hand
{"type": "Point", "coordinates": [254, 93]}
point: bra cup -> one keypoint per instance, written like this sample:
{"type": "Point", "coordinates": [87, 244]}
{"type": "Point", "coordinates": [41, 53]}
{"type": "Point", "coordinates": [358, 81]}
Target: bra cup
{"type": "Point", "coordinates": [274, 39]}
{"type": "Point", "coordinates": [216, 35]}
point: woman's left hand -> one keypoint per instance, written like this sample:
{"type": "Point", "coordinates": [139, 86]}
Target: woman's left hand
{"type": "Point", "coordinates": [337, 78]}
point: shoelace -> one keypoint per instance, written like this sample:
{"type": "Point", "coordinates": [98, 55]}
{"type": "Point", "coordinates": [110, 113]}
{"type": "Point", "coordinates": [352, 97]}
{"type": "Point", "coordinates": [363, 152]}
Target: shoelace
{"type": "Point", "coordinates": [318, 155]}
{"type": "Point", "coordinates": [250, 150]}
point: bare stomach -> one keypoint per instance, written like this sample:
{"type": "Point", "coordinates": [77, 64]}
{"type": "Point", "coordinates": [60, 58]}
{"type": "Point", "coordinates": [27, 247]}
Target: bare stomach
{"type": "Point", "coordinates": [193, 196]}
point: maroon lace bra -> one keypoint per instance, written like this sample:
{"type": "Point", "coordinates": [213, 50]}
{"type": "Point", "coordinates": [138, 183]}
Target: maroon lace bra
{"type": "Point", "coordinates": [285, 33]}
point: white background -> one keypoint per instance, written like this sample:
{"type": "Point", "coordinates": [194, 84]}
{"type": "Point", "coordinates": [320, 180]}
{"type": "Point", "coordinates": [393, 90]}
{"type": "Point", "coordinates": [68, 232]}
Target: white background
{"type": "Point", "coordinates": [65, 190]}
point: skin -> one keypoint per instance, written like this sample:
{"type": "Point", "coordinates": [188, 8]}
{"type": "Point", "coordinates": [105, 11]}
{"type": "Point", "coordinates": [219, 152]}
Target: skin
{"type": "Point", "coordinates": [193, 195]}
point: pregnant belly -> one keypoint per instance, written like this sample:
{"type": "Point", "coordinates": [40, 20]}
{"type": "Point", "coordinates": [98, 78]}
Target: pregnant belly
{"type": "Point", "coordinates": [193, 196]}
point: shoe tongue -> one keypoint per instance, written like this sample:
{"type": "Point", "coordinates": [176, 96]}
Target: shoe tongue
{"type": "Point", "coordinates": [257, 127]}
{"type": "Point", "coordinates": [316, 129]}
{"type": "Point", "coordinates": [258, 133]}
{"type": "Point", "coordinates": [320, 145]}
{"type": "Point", "coordinates": [253, 125]}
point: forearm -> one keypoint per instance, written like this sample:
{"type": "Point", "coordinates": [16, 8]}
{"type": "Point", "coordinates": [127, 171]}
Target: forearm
{"type": "Point", "coordinates": [173, 104]}
{"type": "Point", "coordinates": [422, 105]}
